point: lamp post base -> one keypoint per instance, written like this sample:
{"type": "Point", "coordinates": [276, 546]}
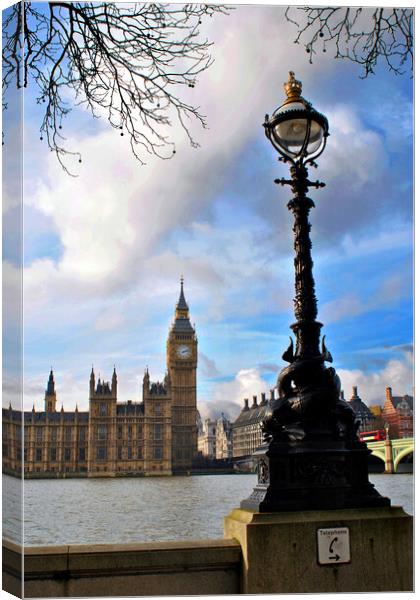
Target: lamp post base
{"type": "Point", "coordinates": [312, 475]}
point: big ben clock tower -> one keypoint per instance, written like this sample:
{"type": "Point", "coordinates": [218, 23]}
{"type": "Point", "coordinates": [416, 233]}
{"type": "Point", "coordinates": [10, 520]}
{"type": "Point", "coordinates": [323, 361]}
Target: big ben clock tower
{"type": "Point", "coordinates": [181, 356]}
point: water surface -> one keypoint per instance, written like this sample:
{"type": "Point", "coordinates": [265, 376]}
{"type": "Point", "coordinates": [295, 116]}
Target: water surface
{"type": "Point", "coordinates": [80, 511]}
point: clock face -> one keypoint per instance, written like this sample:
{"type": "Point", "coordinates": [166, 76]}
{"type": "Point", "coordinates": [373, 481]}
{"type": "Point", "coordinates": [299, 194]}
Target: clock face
{"type": "Point", "coordinates": [183, 352]}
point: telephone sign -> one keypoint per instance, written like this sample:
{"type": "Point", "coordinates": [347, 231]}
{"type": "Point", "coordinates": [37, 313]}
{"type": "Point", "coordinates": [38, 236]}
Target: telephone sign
{"type": "Point", "coordinates": [333, 545]}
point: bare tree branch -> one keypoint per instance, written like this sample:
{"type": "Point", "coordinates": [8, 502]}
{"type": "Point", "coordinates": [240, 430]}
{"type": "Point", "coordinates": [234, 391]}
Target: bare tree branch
{"type": "Point", "coordinates": [365, 36]}
{"type": "Point", "coordinates": [125, 62]}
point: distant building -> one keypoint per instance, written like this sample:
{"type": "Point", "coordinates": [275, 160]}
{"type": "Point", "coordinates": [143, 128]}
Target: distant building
{"type": "Point", "coordinates": [398, 414]}
{"type": "Point", "coordinates": [215, 440]}
{"type": "Point", "coordinates": [363, 414]}
{"type": "Point", "coordinates": [224, 439]}
{"type": "Point", "coordinates": [207, 439]}
{"type": "Point", "coordinates": [157, 436]}
{"type": "Point", "coordinates": [246, 430]}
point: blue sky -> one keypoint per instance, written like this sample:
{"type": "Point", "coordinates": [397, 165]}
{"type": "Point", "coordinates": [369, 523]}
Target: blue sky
{"type": "Point", "coordinates": [104, 252]}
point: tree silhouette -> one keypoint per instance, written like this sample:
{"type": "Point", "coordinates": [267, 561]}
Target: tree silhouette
{"type": "Point", "coordinates": [125, 62]}
{"type": "Point", "coordinates": [363, 35]}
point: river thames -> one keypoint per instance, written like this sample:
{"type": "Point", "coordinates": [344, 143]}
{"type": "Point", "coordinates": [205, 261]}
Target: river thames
{"type": "Point", "coordinates": [80, 511]}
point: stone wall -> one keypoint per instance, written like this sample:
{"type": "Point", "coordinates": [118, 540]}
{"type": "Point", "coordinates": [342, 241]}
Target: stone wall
{"type": "Point", "coordinates": [158, 569]}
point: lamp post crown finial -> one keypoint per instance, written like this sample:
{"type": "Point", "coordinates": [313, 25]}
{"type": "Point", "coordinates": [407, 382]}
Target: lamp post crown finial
{"type": "Point", "coordinates": [292, 87]}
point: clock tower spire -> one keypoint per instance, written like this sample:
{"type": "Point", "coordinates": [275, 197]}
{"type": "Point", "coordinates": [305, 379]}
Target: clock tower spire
{"type": "Point", "coordinates": [182, 310]}
{"type": "Point", "coordinates": [181, 352]}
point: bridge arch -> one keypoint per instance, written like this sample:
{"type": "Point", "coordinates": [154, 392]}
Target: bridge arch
{"type": "Point", "coordinates": [379, 454]}
{"type": "Point", "coordinates": [405, 452]}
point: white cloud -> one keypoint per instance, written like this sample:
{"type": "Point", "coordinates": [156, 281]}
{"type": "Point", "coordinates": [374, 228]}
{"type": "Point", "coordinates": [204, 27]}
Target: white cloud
{"type": "Point", "coordinates": [114, 220]}
{"type": "Point", "coordinates": [114, 214]}
{"type": "Point", "coordinates": [228, 396]}
{"type": "Point", "coordinates": [397, 373]}
{"type": "Point", "coordinates": [382, 240]}
{"type": "Point", "coordinates": [349, 305]}
{"type": "Point", "coordinates": [207, 366]}
{"type": "Point", "coordinates": [389, 291]}
{"type": "Point", "coordinates": [108, 320]}
{"type": "Point", "coordinates": [395, 287]}
{"type": "Point", "coordinates": [355, 155]}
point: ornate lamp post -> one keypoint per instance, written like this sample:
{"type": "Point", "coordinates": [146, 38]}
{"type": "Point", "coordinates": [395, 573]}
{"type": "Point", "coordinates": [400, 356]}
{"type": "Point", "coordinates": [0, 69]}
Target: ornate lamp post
{"type": "Point", "coordinates": [312, 457]}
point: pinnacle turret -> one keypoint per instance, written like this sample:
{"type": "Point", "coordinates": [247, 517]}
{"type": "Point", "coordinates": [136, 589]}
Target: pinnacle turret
{"type": "Point", "coordinates": [146, 382]}
{"type": "Point", "coordinates": [92, 382]}
{"type": "Point", "coordinates": [51, 384]}
{"type": "Point", "coordinates": [50, 395]}
{"type": "Point", "coordinates": [182, 303]}
{"type": "Point", "coordinates": [114, 382]}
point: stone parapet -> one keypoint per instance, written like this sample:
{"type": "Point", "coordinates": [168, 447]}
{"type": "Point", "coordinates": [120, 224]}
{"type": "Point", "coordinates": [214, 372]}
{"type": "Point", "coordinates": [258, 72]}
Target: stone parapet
{"type": "Point", "coordinates": [144, 569]}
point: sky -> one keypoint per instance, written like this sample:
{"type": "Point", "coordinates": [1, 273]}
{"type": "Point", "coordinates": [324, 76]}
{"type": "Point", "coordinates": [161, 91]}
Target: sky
{"type": "Point", "coordinates": [104, 251]}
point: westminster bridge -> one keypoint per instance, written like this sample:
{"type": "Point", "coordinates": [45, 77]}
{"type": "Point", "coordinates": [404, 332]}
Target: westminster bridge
{"type": "Point", "coordinates": [391, 452]}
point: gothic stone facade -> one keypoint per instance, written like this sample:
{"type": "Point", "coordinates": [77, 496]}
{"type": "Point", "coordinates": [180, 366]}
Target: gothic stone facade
{"type": "Point", "coordinates": [157, 436]}
{"type": "Point", "coordinates": [224, 439]}
{"type": "Point", "coordinates": [215, 440]}
{"type": "Point", "coordinates": [207, 438]}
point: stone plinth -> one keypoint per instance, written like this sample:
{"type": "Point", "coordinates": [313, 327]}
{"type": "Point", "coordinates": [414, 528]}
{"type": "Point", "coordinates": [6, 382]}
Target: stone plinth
{"type": "Point", "coordinates": [280, 553]}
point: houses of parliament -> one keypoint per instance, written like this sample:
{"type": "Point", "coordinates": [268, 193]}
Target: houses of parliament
{"type": "Point", "coordinates": [157, 436]}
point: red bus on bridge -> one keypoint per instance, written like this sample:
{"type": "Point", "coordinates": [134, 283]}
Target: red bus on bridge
{"type": "Point", "coordinates": [372, 436]}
